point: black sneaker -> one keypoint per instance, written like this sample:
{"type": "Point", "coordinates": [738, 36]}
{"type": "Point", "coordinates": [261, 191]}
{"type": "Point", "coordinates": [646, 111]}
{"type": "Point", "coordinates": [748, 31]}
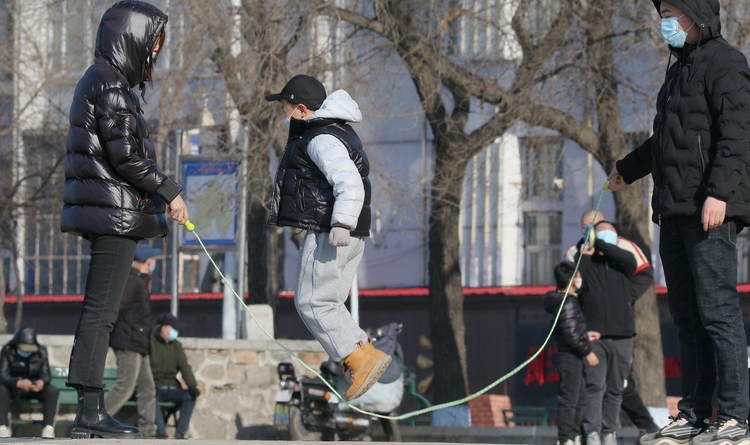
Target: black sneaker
{"type": "Point", "coordinates": [724, 432]}
{"type": "Point", "coordinates": [679, 431]}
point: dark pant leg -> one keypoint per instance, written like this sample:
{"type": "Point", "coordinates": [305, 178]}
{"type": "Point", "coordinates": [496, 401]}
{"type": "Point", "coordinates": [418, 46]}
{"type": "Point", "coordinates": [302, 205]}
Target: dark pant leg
{"type": "Point", "coordinates": [596, 386]}
{"type": "Point", "coordinates": [49, 396]}
{"type": "Point", "coordinates": [186, 412]}
{"type": "Point", "coordinates": [620, 356]}
{"type": "Point", "coordinates": [111, 260]}
{"type": "Point", "coordinates": [161, 426]}
{"type": "Point", "coordinates": [695, 344]}
{"type": "Point", "coordinates": [6, 395]}
{"type": "Point", "coordinates": [633, 406]}
{"type": "Point", "coordinates": [570, 367]}
{"type": "Point", "coordinates": [714, 270]}
{"type": "Point", "coordinates": [185, 403]}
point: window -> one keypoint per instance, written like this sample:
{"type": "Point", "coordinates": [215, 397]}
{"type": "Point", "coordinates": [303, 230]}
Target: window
{"type": "Point", "coordinates": [542, 169]}
{"type": "Point", "coordinates": [543, 239]}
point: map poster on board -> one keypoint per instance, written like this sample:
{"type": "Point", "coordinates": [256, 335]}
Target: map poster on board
{"type": "Point", "coordinates": [211, 193]}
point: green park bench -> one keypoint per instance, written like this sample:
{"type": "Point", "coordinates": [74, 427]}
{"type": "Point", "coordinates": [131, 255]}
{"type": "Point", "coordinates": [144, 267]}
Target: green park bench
{"type": "Point", "coordinates": [68, 399]}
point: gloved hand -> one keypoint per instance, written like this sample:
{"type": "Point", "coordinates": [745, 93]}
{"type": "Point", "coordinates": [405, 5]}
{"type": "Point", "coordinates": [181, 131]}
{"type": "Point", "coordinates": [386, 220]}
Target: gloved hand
{"type": "Point", "coordinates": [194, 392]}
{"type": "Point", "coordinates": [339, 236]}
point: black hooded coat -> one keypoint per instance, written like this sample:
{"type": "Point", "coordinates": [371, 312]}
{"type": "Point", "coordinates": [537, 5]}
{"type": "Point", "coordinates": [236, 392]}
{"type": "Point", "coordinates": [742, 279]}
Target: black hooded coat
{"type": "Point", "coordinates": [701, 134]}
{"type": "Point", "coordinates": [113, 185]}
{"type": "Point", "coordinates": [13, 367]}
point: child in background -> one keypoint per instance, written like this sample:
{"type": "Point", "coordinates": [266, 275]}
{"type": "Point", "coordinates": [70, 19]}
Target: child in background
{"type": "Point", "coordinates": [573, 342]}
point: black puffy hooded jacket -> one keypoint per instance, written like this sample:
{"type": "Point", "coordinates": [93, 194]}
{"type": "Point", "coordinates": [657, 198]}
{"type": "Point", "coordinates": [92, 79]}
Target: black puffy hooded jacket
{"type": "Point", "coordinates": [13, 367]}
{"type": "Point", "coordinates": [701, 139]}
{"type": "Point", "coordinates": [571, 332]}
{"type": "Point", "coordinates": [113, 185]}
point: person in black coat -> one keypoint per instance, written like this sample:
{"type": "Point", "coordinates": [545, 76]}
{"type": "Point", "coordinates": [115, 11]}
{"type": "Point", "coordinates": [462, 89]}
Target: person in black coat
{"type": "Point", "coordinates": [573, 341]}
{"type": "Point", "coordinates": [130, 340]}
{"type": "Point", "coordinates": [24, 373]}
{"type": "Point", "coordinates": [698, 157]}
{"type": "Point", "coordinates": [115, 194]}
{"type": "Point", "coordinates": [607, 300]}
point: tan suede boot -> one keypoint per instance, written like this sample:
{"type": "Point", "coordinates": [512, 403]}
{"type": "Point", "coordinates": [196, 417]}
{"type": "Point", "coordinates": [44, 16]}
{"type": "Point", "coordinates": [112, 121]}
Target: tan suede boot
{"type": "Point", "coordinates": [365, 365]}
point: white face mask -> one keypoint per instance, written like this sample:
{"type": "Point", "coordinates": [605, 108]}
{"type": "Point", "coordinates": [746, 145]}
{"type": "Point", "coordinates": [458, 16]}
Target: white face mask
{"type": "Point", "coordinates": [578, 282]}
{"type": "Point", "coordinates": [153, 267]}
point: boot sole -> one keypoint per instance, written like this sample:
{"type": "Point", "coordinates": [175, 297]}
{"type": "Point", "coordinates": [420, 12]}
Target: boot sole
{"type": "Point", "coordinates": [83, 433]}
{"type": "Point", "coordinates": [372, 378]}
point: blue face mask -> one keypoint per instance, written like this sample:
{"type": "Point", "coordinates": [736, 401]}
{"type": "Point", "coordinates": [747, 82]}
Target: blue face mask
{"type": "Point", "coordinates": [23, 354]}
{"type": "Point", "coordinates": [173, 334]}
{"type": "Point", "coordinates": [670, 29]}
{"type": "Point", "coordinates": [288, 119]}
{"type": "Point", "coordinates": [607, 236]}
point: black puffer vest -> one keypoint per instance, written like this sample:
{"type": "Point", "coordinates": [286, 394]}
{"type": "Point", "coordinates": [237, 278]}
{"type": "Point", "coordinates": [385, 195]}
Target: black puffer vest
{"type": "Point", "coordinates": [113, 185]}
{"type": "Point", "coordinates": [302, 196]}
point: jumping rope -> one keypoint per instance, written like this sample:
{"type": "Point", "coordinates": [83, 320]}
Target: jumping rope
{"type": "Point", "coordinates": [191, 228]}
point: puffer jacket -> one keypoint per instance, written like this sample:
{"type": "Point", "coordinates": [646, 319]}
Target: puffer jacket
{"type": "Point", "coordinates": [321, 180]}
{"type": "Point", "coordinates": [701, 132]}
{"type": "Point", "coordinates": [607, 296]}
{"type": "Point", "coordinates": [132, 329]}
{"type": "Point", "coordinates": [13, 367]}
{"type": "Point", "coordinates": [113, 185]}
{"type": "Point", "coordinates": [571, 332]}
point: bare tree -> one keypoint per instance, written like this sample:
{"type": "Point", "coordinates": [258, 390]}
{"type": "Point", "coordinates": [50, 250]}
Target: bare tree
{"type": "Point", "coordinates": [253, 59]}
{"type": "Point", "coordinates": [567, 63]}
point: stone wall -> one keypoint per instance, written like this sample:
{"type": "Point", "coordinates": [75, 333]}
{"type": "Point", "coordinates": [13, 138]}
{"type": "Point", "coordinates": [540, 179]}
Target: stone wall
{"type": "Point", "coordinates": [239, 377]}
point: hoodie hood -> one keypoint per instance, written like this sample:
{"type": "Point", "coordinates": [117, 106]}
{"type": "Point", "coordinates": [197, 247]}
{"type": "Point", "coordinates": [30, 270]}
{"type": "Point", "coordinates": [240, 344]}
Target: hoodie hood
{"type": "Point", "coordinates": [705, 14]}
{"type": "Point", "coordinates": [126, 34]}
{"type": "Point", "coordinates": [25, 335]}
{"type": "Point", "coordinates": [339, 105]}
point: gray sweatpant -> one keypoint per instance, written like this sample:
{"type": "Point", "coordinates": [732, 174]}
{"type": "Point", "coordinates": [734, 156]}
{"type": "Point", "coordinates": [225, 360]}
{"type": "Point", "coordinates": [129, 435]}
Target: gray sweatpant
{"type": "Point", "coordinates": [134, 373]}
{"type": "Point", "coordinates": [324, 276]}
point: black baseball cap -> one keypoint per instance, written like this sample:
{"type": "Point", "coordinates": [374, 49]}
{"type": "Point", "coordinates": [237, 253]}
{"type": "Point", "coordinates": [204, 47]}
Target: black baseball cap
{"type": "Point", "coordinates": [302, 89]}
{"type": "Point", "coordinates": [167, 319]}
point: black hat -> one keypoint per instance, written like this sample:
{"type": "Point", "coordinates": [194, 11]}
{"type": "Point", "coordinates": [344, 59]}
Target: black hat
{"type": "Point", "coordinates": [144, 251]}
{"type": "Point", "coordinates": [167, 319]}
{"type": "Point", "coordinates": [302, 89]}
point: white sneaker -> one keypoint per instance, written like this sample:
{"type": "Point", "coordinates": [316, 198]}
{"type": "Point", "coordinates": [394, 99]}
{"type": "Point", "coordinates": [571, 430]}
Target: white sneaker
{"type": "Point", "coordinates": [4, 432]}
{"type": "Point", "coordinates": [48, 432]}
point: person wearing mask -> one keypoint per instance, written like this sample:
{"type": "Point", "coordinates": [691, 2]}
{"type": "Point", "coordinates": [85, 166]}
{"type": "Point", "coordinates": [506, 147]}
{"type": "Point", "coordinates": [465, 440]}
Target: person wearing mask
{"type": "Point", "coordinates": [115, 194]}
{"type": "Point", "coordinates": [130, 341]}
{"type": "Point", "coordinates": [607, 300]}
{"type": "Point", "coordinates": [322, 187]}
{"type": "Point", "coordinates": [25, 374]}
{"type": "Point", "coordinates": [698, 157]}
{"type": "Point", "coordinates": [573, 341]}
{"type": "Point", "coordinates": [167, 360]}
{"type": "Point", "coordinates": [632, 403]}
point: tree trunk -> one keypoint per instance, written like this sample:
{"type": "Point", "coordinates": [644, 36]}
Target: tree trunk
{"type": "Point", "coordinates": [446, 292]}
{"type": "Point", "coordinates": [3, 321]}
{"type": "Point", "coordinates": [632, 214]}
{"type": "Point", "coordinates": [648, 355]}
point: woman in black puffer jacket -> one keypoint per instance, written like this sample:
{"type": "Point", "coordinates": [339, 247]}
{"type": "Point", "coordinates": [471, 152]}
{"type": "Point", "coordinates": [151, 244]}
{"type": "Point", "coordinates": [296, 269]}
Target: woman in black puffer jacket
{"type": "Point", "coordinates": [115, 193]}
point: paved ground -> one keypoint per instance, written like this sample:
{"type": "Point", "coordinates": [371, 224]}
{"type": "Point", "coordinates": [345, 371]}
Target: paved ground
{"type": "Point", "coordinates": [422, 434]}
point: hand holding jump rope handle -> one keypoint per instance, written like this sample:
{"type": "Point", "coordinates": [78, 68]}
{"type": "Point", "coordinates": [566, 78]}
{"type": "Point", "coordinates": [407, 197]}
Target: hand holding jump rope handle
{"type": "Point", "coordinates": [618, 179]}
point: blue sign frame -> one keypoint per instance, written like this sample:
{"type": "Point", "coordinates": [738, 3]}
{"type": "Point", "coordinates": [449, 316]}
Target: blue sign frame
{"type": "Point", "coordinates": [216, 184]}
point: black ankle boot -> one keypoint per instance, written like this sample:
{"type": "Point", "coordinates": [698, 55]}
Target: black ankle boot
{"type": "Point", "coordinates": [92, 419]}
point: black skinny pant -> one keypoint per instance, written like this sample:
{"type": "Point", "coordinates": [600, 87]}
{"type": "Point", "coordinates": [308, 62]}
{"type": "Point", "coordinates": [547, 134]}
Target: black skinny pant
{"type": "Point", "coordinates": [48, 395]}
{"type": "Point", "coordinates": [111, 261]}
